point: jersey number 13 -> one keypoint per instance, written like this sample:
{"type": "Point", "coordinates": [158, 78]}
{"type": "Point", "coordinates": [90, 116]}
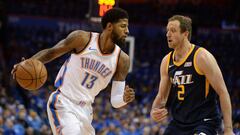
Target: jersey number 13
{"type": "Point", "coordinates": [89, 80]}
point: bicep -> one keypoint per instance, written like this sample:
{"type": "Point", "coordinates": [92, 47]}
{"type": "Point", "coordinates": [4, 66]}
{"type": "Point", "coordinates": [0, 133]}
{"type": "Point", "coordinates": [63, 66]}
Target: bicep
{"type": "Point", "coordinates": [68, 44]}
{"type": "Point", "coordinates": [165, 84]}
{"type": "Point", "coordinates": [122, 67]}
{"type": "Point", "coordinates": [209, 67]}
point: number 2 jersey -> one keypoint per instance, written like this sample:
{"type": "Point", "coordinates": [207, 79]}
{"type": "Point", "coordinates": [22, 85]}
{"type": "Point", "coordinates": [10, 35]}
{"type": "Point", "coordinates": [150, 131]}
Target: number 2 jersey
{"type": "Point", "coordinates": [191, 97]}
{"type": "Point", "coordinates": [85, 74]}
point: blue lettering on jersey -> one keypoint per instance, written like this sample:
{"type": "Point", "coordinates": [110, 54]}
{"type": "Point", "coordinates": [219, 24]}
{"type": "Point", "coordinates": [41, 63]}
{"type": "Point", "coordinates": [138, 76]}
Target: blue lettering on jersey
{"type": "Point", "coordinates": [96, 66]}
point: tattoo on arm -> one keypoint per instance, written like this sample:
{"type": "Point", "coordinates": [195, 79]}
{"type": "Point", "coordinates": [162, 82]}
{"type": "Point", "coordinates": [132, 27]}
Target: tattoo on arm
{"type": "Point", "coordinates": [122, 67]}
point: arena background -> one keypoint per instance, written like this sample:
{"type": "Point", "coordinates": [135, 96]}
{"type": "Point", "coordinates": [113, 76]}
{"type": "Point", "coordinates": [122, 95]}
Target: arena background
{"type": "Point", "coordinates": [27, 26]}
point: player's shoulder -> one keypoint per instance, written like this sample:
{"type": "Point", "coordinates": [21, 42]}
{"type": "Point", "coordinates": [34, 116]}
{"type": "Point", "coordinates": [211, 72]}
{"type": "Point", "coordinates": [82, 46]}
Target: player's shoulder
{"type": "Point", "coordinates": [80, 34]}
{"type": "Point", "coordinates": [166, 58]}
{"type": "Point", "coordinates": [78, 39]}
{"type": "Point", "coordinates": [203, 57]}
{"type": "Point", "coordinates": [202, 54]}
{"type": "Point", "coordinates": [124, 57]}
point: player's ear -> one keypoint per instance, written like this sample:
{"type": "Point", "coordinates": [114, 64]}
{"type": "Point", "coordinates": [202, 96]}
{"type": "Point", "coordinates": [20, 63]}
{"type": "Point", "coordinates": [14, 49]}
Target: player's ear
{"type": "Point", "coordinates": [109, 26]}
{"type": "Point", "coordinates": [186, 33]}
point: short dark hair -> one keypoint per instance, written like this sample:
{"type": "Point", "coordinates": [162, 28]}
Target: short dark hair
{"type": "Point", "coordinates": [113, 15]}
{"type": "Point", "coordinates": [185, 23]}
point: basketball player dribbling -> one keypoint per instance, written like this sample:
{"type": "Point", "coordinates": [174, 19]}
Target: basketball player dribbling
{"type": "Point", "coordinates": [190, 85]}
{"type": "Point", "coordinates": [95, 60]}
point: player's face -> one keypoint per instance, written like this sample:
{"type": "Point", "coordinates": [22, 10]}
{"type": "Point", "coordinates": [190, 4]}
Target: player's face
{"type": "Point", "coordinates": [120, 31]}
{"type": "Point", "coordinates": [174, 34]}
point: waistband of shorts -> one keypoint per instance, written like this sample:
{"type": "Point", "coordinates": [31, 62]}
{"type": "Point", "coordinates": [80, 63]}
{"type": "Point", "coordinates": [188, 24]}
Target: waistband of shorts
{"type": "Point", "coordinates": [79, 102]}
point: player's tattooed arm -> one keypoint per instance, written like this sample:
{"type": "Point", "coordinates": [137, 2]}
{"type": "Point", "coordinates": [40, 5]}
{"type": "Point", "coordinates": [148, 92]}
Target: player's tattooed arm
{"type": "Point", "coordinates": [120, 75]}
{"type": "Point", "coordinates": [75, 40]}
{"type": "Point", "coordinates": [122, 67]}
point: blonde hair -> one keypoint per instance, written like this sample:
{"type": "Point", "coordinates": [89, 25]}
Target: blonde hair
{"type": "Point", "coordinates": [185, 24]}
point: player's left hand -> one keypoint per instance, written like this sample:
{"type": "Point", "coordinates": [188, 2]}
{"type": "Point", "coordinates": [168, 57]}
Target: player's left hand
{"type": "Point", "coordinates": [129, 94]}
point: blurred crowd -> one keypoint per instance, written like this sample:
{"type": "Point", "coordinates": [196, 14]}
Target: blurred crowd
{"type": "Point", "coordinates": [205, 12]}
{"type": "Point", "coordinates": [23, 112]}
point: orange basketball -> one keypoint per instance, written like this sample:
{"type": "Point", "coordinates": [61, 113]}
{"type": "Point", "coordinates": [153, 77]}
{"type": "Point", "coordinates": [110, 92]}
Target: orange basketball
{"type": "Point", "coordinates": [31, 74]}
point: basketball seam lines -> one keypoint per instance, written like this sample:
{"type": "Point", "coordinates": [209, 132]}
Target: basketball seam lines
{"type": "Point", "coordinates": [25, 70]}
{"type": "Point", "coordinates": [31, 79]}
{"type": "Point", "coordinates": [35, 73]}
{"type": "Point", "coordinates": [29, 74]}
{"type": "Point", "coordinates": [40, 74]}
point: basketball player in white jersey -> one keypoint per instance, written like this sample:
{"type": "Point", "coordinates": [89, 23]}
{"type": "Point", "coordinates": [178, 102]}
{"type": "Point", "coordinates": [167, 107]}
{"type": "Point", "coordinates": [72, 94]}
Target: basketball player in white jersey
{"type": "Point", "coordinates": [96, 59]}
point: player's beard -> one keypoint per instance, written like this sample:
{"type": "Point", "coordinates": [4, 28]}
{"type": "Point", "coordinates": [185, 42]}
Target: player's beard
{"type": "Point", "coordinates": [117, 40]}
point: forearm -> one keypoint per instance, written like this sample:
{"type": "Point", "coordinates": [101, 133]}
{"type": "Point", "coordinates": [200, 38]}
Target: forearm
{"type": "Point", "coordinates": [159, 102]}
{"type": "Point", "coordinates": [226, 110]}
{"type": "Point", "coordinates": [44, 56]}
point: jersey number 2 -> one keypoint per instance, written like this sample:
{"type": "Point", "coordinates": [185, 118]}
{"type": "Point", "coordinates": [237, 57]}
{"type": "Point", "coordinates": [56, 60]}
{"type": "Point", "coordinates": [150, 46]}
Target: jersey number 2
{"type": "Point", "coordinates": [88, 80]}
{"type": "Point", "coordinates": [181, 92]}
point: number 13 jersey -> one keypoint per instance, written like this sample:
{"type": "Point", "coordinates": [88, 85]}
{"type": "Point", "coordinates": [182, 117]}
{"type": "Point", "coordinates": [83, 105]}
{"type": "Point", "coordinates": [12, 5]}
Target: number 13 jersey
{"type": "Point", "coordinates": [84, 75]}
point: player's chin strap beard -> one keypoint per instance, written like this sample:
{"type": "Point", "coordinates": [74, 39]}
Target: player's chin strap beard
{"type": "Point", "coordinates": [117, 40]}
{"type": "Point", "coordinates": [121, 44]}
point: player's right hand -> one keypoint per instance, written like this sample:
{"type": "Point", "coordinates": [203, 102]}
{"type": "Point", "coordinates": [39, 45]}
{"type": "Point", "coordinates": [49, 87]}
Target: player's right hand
{"type": "Point", "coordinates": [13, 72]}
{"type": "Point", "coordinates": [158, 115]}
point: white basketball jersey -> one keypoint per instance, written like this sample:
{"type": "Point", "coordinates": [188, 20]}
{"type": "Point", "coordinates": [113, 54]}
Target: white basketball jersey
{"type": "Point", "coordinates": [85, 74]}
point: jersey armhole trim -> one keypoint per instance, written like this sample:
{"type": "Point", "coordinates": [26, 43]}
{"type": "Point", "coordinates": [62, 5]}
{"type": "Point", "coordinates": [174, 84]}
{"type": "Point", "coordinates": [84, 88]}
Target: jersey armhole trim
{"type": "Point", "coordinates": [195, 63]}
{"type": "Point", "coordinates": [61, 78]}
{"type": "Point", "coordinates": [168, 61]}
{"type": "Point", "coordinates": [206, 87]}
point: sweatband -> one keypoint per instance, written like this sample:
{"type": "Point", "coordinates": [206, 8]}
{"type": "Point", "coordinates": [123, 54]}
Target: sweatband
{"type": "Point", "coordinates": [117, 93]}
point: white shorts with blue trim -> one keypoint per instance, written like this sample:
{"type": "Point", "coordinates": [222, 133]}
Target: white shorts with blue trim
{"type": "Point", "coordinates": [69, 118]}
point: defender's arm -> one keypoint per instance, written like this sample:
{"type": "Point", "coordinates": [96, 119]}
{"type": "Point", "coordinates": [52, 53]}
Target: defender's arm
{"type": "Point", "coordinates": [209, 67]}
{"type": "Point", "coordinates": [121, 95]}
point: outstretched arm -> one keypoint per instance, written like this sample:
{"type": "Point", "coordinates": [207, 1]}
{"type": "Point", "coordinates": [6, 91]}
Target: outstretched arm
{"type": "Point", "coordinates": [159, 112]}
{"type": "Point", "coordinates": [76, 39]}
{"type": "Point", "coordinates": [209, 67]}
{"type": "Point", "coordinates": [121, 94]}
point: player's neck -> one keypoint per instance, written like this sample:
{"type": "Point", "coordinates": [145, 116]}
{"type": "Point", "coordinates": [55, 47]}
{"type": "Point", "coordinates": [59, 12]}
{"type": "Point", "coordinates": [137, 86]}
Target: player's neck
{"type": "Point", "coordinates": [182, 50]}
{"type": "Point", "coordinates": [106, 44]}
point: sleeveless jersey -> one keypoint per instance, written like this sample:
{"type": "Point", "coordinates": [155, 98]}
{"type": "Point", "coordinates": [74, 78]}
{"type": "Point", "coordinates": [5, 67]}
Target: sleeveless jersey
{"type": "Point", "coordinates": [84, 75]}
{"type": "Point", "coordinates": [191, 96]}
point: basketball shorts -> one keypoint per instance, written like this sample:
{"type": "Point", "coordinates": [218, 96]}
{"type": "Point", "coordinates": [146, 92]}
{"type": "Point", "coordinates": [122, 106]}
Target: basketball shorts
{"type": "Point", "coordinates": [209, 126]}
{"type": "Point", "coordinates": [67, 117]}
